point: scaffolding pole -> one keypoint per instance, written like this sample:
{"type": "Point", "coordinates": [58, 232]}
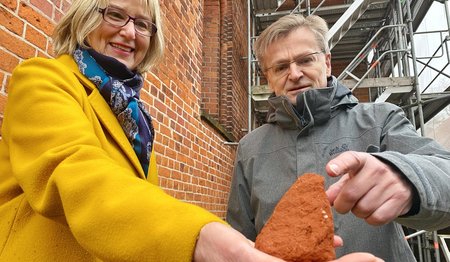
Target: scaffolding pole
{"type": "Point", "coordinates": [414, 64]}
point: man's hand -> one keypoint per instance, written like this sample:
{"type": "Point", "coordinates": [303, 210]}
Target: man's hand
{"type": "Point", "coordinates": [369, 188]}
{"type": "Point", "coordinates": [220, 243]}
{"type": "Point", "coordinates": [358, 257]}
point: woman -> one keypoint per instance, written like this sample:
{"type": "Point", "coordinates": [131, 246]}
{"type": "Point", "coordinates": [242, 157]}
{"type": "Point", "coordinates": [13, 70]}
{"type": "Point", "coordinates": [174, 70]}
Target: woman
{"type": "Point", "coordinates": [74, 165]}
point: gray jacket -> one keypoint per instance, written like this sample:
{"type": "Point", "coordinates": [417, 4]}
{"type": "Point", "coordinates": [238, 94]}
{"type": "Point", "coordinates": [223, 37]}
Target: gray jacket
{"type": "Point", "coordinates": [327, 122]}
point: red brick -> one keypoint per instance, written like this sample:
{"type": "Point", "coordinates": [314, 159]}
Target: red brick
{"type": "Point", "coordinates": [44, 6]}
{"type": "Point", "coordinates": [3, 99]}
{"type": "Point", "coordinates": [36, 19]}
{"type": "Point", "coordinates": [58, 15]}
{"type": "Point", "coordinates": [56, 3]}
{"type": "Point", "coordinates": [11, 22]}
{"type": "Point", "coordinates": [50, 47]}
{"type": "Point", "coordinates": [42, 54]}
{"type": "Point", "coordinates": [11, 4]}
{"type": "Point", "coordinates": [35, 37]}
{"type": "Point", "coordinates": [13, 44]}
{"type": "Point", "coordinates": [7, 61]}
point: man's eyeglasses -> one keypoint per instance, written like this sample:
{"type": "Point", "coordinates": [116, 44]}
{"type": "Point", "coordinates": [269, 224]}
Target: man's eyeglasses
{"type": "Point", "coordinates": [120, 18]}
{"type": "Point", "coordinates": [304, 61]}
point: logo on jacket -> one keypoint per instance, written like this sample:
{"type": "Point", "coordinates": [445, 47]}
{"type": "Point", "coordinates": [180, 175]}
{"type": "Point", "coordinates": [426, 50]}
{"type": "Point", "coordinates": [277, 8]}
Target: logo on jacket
{"type": "Point", "coordinates": [338, 149]}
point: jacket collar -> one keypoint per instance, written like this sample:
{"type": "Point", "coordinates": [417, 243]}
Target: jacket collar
{"type": "Point", "coordinates": [104, 113]}
{"type": "Point", "coordinates": [314, 107]}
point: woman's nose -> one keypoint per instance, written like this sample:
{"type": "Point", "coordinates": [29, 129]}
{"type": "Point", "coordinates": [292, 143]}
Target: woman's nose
{"type": "Point", "coordinates": [128, 30]}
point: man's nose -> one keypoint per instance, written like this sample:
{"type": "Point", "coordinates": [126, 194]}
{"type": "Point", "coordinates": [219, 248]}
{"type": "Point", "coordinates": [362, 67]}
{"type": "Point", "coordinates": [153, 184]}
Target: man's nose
{"type": "Point", "coordinates": [295, 71]}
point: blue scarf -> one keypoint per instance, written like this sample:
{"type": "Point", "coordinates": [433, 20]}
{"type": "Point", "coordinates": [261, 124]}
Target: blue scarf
{"type": "Point", "coordinates": [120, 88]}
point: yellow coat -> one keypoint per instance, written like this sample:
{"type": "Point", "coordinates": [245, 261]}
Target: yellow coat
{"type": "Point", "coordinates": [71, 186]}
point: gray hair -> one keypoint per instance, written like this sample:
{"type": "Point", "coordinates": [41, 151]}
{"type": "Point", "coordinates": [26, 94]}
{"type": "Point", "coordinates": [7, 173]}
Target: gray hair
{"type": "Point", "coordinates": [285, 25]}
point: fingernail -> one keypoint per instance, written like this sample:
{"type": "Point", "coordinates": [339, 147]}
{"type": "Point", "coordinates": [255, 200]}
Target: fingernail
{"type": "Point", "coordinates": [335, 169]}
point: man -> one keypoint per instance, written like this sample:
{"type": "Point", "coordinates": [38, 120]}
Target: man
{"type": "Point", "coordinates": [374, 163]}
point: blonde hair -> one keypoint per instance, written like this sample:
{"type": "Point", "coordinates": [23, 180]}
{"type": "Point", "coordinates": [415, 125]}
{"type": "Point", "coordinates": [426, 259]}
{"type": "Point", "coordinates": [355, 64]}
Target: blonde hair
{"type": "Point", "coordinates": [83, 17]}
{"type": "Point", "coordinates": [284, 26]}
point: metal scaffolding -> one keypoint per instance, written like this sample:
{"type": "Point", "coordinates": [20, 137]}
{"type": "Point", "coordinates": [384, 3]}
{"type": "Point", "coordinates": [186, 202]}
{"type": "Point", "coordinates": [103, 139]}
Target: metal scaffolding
{"type": "Point", "coordinates": [381, 30]}
{"type": "Point", "coordinates": [375, 39]}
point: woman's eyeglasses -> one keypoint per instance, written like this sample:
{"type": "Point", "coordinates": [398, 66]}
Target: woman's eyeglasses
{"type": "Point", "coordinates": [120, 18]}
{"type": "Point", "coordinates": [305, 61]}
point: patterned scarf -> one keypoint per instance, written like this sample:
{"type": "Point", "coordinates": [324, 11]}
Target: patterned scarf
{"type": "Point", "coordinates": [120, 88]}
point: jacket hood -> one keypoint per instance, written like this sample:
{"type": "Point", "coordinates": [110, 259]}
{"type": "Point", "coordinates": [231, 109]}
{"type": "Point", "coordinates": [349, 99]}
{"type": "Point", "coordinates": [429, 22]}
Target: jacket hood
{"type": "Point", "coordinates": [314, 107]}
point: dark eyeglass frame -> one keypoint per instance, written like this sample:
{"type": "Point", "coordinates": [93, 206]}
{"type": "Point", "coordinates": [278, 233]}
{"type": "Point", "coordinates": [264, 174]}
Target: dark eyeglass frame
{"type": "Point", "coordinates": [104, 11]}
{"type": "Point", "coordinates": [293, 60]}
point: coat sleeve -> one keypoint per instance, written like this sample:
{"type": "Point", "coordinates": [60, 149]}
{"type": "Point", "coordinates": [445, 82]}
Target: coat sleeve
{"type": "Point", "coordinates": [239, 212]}
{"type": "Point", "coordinates": [425, 163]}
{"type": "Point", "coordinates": [60, 163]}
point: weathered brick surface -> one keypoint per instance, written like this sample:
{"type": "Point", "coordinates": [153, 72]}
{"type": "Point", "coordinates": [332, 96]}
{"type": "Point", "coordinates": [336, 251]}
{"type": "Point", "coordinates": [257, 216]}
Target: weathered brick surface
{"type": "Point", "coordinates": [11, 4]}
{"type": "Point", "coordinates": [36, 38]}
{"type": "Point", "coordinates": [224, 93]}
{"type": "Point", "coordinates": [7, 61]}
{"type": "Point", "coordinates": [44, 6]}
{"type": "Point", "coordinates": [10, 21]}
{"type": "Point", "coordinates": [13, 44]}
{"type": "Point", "coordinates": [211, 58]}
{"type": "Point", "coordinates": [2, 102]}
{"type": "Point", "coordinates": [203, 70]}
{"type": "Point", "coordinates": [35, 18]}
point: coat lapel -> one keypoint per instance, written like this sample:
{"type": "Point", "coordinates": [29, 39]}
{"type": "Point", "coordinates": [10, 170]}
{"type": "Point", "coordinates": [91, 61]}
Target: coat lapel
{"type": "Point", "coordinates": [104, 114]}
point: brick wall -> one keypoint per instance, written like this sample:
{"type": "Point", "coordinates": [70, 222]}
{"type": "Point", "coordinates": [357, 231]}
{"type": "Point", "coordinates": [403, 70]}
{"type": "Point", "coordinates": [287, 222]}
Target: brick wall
{"type": "Point", "coordinates": [224, 96]}
{"type": "Point", "coordinates": [25, 29]}
{"type": "Point", "coordinates": [194, 163]}
{"type": "Point", "coordinates": [238, 98]}
{"type": "Point", "coordinates": [211, 58]}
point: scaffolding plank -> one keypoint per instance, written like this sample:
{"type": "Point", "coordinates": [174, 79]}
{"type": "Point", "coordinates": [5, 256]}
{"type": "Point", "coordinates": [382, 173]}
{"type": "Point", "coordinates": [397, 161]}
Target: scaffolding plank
{"type": "Point", "coordinates": [395, 84]}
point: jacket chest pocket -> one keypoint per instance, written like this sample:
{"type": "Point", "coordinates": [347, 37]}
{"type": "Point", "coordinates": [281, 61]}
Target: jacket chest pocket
{"type": "Point", "coordinates": [330, 150]}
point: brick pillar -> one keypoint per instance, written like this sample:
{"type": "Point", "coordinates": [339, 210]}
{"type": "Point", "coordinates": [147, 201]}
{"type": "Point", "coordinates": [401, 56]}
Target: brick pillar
{"type": "Point", "coordinates": [211, 58]}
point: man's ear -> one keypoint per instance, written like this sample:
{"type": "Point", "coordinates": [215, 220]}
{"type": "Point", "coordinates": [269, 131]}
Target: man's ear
{"type": "Point", "coordinates": [328, 64]}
